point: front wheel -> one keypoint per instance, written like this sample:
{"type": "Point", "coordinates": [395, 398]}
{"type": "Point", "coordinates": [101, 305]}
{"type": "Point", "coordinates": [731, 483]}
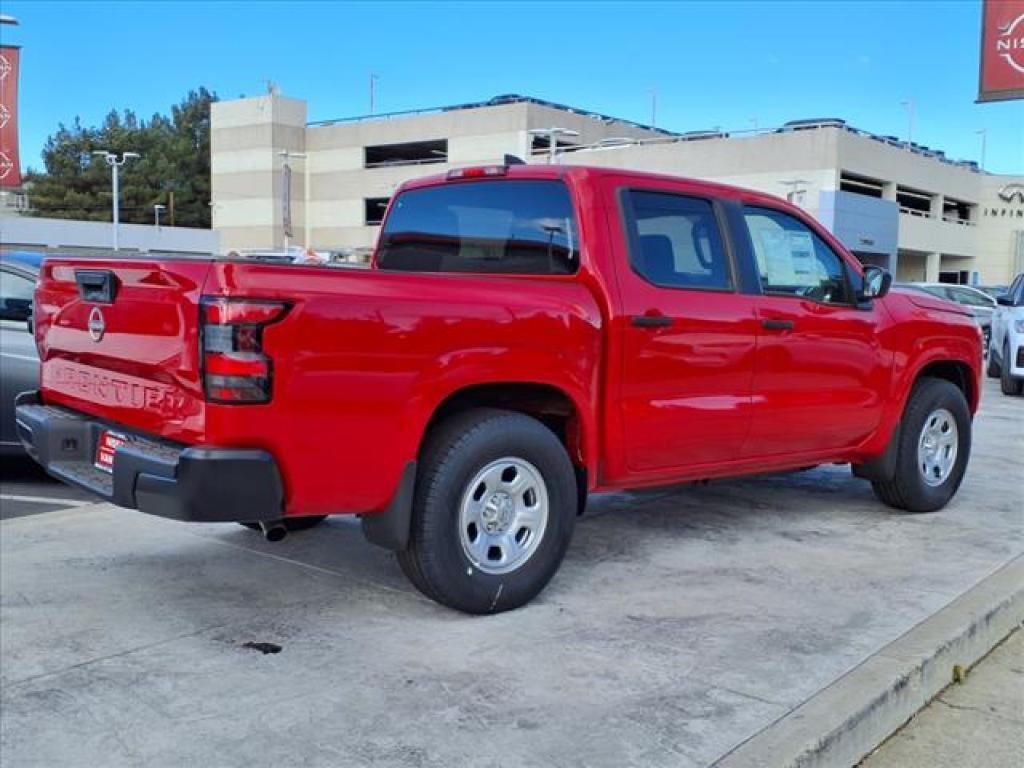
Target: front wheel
{"type": "Point", "coordinates": [1007, 383]}
{"type": "Point", "coordinates": [934, 445]}
{"type": "Point", "coordinates": [493, 514]}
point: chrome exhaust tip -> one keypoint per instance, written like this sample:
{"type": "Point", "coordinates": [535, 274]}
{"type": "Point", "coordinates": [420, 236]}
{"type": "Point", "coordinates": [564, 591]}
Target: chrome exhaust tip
{"type": "Point", "coordinates": [274, 531]}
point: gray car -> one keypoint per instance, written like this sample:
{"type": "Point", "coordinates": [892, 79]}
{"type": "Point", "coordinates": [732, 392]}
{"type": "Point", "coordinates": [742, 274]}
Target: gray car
{"type": "Point", "coordinates": [978, 302]}
{"type": "Point", "coordinates": [19, 360]}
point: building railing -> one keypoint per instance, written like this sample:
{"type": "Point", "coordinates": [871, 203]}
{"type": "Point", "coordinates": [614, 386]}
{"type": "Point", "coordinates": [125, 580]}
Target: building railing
{"type": "Point", "coordinates": [398, 163]}
{"type": "Point", "coordinates": [916, 212]}
{"type": "Point", "coordinates": [928, 215]}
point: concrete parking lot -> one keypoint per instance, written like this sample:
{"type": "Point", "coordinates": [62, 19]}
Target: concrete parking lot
{"type": "Point", "coordinates": [682, 625]}
{"type": "Point", "coordinates": [26, 490]}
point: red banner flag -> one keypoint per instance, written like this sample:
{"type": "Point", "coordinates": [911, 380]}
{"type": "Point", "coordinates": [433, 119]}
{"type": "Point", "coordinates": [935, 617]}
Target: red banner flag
{"type": "Point", "coordinates": [1002, 50]}
{"type": "Point", "coordinates": [10, 167]}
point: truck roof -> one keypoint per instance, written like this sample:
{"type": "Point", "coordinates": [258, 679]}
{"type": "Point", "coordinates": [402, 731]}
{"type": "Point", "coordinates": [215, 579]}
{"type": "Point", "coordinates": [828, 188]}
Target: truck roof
{"type": "Point", "coordinates": [589, 173]}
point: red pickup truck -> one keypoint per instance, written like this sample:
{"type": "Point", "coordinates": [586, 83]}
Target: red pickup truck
{"type": "Point", "coordinates": [527, 335]}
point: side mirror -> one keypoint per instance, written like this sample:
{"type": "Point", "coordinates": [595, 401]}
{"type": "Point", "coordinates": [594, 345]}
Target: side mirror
{"type": "Point", "coordinates": [1006, 300]}
{"type": "Point", "coordinates": [877, 282]}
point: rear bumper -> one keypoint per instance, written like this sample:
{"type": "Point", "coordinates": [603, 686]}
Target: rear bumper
{"type": "Point", "coordinates": [208, 485]}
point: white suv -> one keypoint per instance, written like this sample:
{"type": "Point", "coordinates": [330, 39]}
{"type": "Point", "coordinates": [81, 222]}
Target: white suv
{"type": "Point", "coordinates": [1006, 351]}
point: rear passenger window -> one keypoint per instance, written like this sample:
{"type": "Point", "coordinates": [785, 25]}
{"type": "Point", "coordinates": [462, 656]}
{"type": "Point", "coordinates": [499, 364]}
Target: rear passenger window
{"type": "Point", "coordinates": [793, 260]}
{"type": "Point", "coordinates": [674, 241]}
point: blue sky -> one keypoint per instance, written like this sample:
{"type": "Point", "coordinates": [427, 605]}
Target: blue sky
{"type": "Point", "coordinates": [722, 64]}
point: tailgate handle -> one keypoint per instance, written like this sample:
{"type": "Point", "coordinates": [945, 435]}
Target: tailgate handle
{"type": "Point", "coordinates": [99, 285]}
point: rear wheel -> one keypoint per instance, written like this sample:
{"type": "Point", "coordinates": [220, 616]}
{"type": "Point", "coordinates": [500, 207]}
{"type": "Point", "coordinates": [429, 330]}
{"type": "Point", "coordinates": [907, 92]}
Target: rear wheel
{"type": "Point", "coordinates": [934, 445]}
{"type": "Point", "coordinates": [1007, 383]}
{"type": "Point", "coordinates": [493, 514]}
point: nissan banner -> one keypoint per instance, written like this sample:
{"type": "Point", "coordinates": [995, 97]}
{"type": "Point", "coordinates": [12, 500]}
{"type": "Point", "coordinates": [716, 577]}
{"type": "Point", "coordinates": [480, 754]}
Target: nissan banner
{"type": "Point", "coordinates": [1002, 50]}
{"type": "Point", "coordinates": [10, 167]}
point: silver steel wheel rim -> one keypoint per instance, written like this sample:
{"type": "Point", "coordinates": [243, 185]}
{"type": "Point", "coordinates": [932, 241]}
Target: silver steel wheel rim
{"type": "Point", "coordinates": [937, 447]}
{"type": "Point", "coordinates": [503, 515]}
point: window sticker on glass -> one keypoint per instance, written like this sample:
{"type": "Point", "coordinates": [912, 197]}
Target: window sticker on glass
{"type": "Point", "coordinates": [777, 263]}
{"type": "Point", "coordinates": [801, 249]}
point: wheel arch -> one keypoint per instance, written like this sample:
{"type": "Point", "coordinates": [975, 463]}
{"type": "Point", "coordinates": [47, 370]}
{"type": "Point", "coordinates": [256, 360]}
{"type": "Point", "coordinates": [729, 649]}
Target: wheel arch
{"type": "Point", "coordinates": [553, 406]}
{"type": "Point", "coordinates": [882, 465]}
{"type": "Point", "coordinates": [549, 404]}
{"type": "Point", "coordinates": [957, 372]}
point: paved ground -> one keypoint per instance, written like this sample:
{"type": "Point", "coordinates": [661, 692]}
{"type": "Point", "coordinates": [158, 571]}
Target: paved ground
{"type": "Point", "coordinates": [681, 624]}
{"type": "Point", "coordinates": [976, 724]}
{"type": "Point", "coordinates": [26, 490]}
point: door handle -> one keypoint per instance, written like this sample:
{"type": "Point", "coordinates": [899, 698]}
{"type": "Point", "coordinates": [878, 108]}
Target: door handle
{"type": "Point", "coordinates": [777, 325]}
{"type": "Point", "coordinates": [651, 321]}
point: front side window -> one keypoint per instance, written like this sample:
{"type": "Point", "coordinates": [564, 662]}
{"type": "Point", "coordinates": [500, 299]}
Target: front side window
{"type": "Point", "coordinates": [499, 227]}
{"type": "Point", "coordinates": [14, 286]}
{"type": "Point", "coordinates": [675, 242]}
{"type": "Point", "coordinates": [793, 260]}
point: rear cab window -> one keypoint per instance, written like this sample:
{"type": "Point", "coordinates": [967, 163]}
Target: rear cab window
{"type": "Point", "coordinates": [511, 226]}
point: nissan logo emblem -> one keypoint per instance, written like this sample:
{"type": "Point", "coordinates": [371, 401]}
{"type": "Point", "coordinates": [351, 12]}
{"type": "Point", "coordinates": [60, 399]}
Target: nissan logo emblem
{"type": "Point", "coordinates": [97, 326]}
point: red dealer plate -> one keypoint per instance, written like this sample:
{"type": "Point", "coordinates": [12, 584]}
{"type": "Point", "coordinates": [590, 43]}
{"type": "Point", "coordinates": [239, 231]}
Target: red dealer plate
{"type": "Point", "coordinates": [108, 443]}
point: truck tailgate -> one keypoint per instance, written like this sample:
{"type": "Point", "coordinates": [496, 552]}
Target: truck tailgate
{"type": "Point", "coordinates": [129, 356]}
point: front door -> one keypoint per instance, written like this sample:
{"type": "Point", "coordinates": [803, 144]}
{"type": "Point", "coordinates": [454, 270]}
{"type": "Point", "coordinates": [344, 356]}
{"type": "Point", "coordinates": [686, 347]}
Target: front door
{"type": "Point", "coordinates": [820, 374]}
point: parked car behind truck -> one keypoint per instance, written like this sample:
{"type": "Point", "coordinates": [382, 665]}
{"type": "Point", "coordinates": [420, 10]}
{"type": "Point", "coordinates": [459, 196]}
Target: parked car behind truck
{"type": "Point", "coordinates": [1006, 357]}
{"type": "Point", "coordinates": [979, 303]}
{"type": "Point", "coordinates": [19, 363]}
{"type": "Point", "coordinates": [527, 335]}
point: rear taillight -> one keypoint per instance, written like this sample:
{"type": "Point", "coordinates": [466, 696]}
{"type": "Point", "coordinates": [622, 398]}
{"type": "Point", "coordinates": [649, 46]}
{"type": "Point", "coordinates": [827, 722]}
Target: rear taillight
{"type": "Point", "coordinates": [235, 367]}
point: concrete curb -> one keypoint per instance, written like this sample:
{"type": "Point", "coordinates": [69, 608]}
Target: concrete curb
{"type": "Point", "coordinates": [843, 723]}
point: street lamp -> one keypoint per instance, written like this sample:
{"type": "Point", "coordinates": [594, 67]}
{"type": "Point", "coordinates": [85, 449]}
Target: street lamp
{"type": "Point", "coordinates": [909, 106]}
{"type": "Point", "coordinates": [306, 218]}
{"type": "Point", "coordinates": [156, 214]}
{"type": "Point", "coordinates": [115, 166]}
{"type": "Point", "coordinates": [797, 188]}
{"type": "Point", "coordinates": [552, 133]}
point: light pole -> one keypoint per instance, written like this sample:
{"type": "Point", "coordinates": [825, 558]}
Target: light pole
{"type": "Point", "coordinates": [552, 133]}
{"type": "Point", "coordinates": [797, 188]}
{"type": "Point", "coordinates": [910, 119]}
{"type": "Point", "coordinates": [984, 136]}
{"type": "Point", "coordinates": [156, 214]}
{"type": "Point", "coordinates": [306, 218]}
{"type": "Point", "coordinates": [115, 166]}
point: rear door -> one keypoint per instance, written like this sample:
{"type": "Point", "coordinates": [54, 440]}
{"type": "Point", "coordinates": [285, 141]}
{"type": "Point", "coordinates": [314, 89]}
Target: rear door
{"type": "Point", "coordinates": [820, 374]}
{"type": "Point", "coordinates": [120, 341]}
{"type": "Point", "coordinates": [688, 336]}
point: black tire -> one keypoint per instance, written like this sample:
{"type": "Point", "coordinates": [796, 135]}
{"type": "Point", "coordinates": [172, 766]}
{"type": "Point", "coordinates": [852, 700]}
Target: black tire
{"type": "Point", "coordinates": [1007, 383]}
{"type": "Point", "coordinates": [293, 523]}
{"type": "Point", "coordinates": [992, 370]}
{"type": "Point", "coordinates": [908, 489]}
{"type": "Point", "coordinates": [455, 452]}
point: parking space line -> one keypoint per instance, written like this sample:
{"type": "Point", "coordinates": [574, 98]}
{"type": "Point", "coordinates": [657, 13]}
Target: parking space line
{"type": "Point", "coordinates": [45, 500]}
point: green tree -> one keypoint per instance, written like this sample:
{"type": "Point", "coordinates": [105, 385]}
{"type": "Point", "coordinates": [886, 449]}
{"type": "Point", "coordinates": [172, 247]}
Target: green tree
{"type": "Point", "coordinates": [174, 167]}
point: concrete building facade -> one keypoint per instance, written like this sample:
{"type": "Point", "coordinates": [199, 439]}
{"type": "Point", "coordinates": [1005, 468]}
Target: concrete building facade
{"type": "Point", "coordinates": [896, 204]}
